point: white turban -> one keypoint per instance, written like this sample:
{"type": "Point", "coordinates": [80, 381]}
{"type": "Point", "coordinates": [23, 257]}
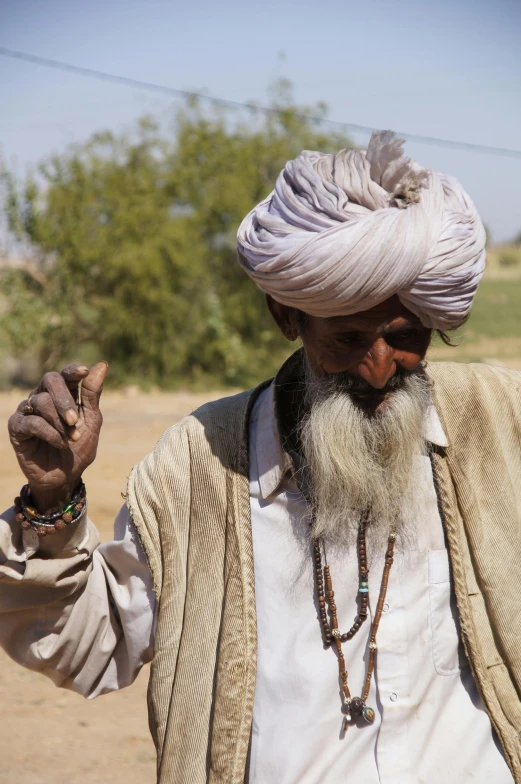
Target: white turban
{"type": "Point", "coordinates": [343, 232]}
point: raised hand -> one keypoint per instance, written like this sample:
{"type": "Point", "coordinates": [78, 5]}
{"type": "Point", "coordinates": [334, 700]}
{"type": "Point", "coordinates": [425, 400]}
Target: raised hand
{"type": "Point", "coordinates": [55, 432]}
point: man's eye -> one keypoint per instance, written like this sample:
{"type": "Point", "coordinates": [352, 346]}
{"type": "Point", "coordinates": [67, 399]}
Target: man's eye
{"type": "Point", "coordinates": [405, 335]}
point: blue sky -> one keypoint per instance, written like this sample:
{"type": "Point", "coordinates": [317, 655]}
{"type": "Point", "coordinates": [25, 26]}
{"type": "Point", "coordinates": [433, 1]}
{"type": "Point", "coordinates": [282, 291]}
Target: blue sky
{"type": "Point", "coordinates": [447, 68]}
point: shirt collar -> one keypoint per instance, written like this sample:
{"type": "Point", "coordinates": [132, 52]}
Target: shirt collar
{"type": "Point", "coordinates": [433, 431]}
{"type": "Point", "coordinates": [272, 461]}
{"type": "Point", "coordinates": [274, 464]}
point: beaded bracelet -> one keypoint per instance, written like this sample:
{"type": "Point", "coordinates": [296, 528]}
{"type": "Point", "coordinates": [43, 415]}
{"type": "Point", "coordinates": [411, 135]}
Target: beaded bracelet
{"type": "Point", "coordinates": [29, 517]}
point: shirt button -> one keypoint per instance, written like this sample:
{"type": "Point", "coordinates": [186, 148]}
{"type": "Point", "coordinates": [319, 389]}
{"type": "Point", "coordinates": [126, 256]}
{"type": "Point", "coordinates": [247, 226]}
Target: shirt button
{"type": "Point", "coordinates": [393, 697]}
{"type": "Point", "coordinates": [386, 607]}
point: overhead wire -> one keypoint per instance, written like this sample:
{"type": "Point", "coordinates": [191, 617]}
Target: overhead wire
{"type": "Point", "coordinates": [190, 95]}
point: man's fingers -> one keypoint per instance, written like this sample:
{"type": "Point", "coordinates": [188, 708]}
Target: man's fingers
{"type": "Point", "coordinates": [64, 402]}
{"type": "Point", "coordinates": [42, 405]}
{"type": "Point", "coordinates": [92, 386]}
{"type": "Point", "coordinates": [74, 372]}
{"type": "Point", "coordinates": [23, 427]}
{"type": "Point", "coordinates": [73, 375]}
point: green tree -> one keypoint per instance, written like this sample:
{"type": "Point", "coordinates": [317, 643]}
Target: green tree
{"type": "Point", "coordinates": [132, 247]}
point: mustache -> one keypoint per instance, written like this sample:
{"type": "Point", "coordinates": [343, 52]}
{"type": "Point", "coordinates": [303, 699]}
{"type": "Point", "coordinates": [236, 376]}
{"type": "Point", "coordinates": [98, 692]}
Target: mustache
{"type": "Point", "coordinates": [346, 382]}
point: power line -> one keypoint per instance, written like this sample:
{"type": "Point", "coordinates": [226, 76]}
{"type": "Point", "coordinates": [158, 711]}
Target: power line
{"type": "Point", "coordinates": [161, 88]}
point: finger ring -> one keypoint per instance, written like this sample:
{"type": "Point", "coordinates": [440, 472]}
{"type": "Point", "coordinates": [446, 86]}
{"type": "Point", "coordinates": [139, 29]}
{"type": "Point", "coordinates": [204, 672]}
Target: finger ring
{"type": "Point", "coordinates": [28, 409]}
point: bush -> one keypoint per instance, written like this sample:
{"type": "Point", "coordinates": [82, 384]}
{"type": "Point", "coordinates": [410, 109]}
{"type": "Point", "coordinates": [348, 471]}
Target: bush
{"type": "Point", "coordinates": [510, 257]}
{"type": "Point", "coordinates": [132, 248]}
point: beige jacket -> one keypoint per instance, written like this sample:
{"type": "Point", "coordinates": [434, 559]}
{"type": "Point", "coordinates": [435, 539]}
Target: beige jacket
{"type": "Point", "coordinates": [190, 502]}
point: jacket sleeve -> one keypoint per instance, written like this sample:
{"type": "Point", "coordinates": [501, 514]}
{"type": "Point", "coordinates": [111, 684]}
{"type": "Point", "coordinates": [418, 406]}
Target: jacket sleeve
{"type": "Point", "coordinates": [79, 612]}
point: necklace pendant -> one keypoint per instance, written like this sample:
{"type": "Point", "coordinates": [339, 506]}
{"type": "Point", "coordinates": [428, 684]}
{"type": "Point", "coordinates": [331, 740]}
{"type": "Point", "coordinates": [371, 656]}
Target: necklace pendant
{"type": "Point", "coordinates": [358, 709]}
{"type": "Point", "coordinates": [356, 706]}
{"type": "Point", "coordinates": [368, 715]}
{"type": "Point", "coordinates": [348, 715]}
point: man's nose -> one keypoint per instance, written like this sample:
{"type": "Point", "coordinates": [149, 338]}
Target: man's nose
{"type": "Point", "coordinates": [378, 365]}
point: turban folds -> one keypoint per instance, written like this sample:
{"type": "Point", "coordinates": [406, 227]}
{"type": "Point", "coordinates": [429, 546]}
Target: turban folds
{"type": "Point", "coordinates": [343, 232]}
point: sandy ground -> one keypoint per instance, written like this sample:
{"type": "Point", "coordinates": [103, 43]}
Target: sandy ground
{"type": "Point", "coordinates": [49, 735]}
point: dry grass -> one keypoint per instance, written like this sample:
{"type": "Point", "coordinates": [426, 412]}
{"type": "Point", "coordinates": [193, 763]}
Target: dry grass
{"type": "Point", "coordinates": [493, 332]}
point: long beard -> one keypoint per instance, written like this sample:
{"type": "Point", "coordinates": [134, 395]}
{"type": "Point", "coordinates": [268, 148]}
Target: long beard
{"type": "Point", "coordinates": [361, 466]}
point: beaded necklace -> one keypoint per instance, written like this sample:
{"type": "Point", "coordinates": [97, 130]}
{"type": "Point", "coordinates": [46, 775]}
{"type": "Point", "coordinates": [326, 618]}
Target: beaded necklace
{"type": "Point", "coordinates": [352, 707]}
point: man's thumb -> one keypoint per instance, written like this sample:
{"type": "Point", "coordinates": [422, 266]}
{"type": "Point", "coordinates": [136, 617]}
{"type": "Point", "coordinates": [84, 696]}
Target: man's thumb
{"type": "Point", "coordinates": [92, 385]}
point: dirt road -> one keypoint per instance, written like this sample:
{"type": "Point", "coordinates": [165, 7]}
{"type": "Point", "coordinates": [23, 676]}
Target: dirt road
{"type": "Point", "coordinates": [52, 736]}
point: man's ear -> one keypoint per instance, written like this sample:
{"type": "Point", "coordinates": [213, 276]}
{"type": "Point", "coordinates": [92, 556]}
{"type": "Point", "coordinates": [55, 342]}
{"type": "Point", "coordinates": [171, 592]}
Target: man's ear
{"type": "Point", "coordinates": [285, 318]}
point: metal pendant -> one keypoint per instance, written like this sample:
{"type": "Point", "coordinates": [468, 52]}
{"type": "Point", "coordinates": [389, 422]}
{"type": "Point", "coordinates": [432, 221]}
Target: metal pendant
{"type": "Point", "coordinates": [369, 715]}
{"type": "Point", "coordinates": [356, 706]}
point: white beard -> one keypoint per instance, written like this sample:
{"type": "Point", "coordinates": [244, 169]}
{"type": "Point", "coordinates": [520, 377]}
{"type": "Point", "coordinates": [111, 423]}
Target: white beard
{"type": "Point", "coordinates": [358, 464]}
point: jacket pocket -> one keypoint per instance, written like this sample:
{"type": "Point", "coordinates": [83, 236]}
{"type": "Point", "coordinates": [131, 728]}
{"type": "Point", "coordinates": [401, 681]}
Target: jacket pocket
{"type": "Point", "coordinates": [443, 615]}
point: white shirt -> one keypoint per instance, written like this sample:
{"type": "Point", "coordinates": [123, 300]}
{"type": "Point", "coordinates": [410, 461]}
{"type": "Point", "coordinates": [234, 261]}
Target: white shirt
{"type": "Point", "coordinates": [430, 724]}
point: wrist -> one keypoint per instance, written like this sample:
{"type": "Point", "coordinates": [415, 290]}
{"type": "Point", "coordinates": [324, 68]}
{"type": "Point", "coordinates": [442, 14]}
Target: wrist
{"type": "Point", "coordinates": [47, 501]}
{"type": "Point", "coordinates": [57, 516]}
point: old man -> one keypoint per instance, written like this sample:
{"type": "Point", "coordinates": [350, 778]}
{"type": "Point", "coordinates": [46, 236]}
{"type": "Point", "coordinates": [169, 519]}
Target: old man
{"type": "Point", "coordinates": [323, 570]}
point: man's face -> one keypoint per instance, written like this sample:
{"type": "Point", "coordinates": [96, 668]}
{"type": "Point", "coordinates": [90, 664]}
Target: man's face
{"type": "Point", "coordinates": [371, 347]}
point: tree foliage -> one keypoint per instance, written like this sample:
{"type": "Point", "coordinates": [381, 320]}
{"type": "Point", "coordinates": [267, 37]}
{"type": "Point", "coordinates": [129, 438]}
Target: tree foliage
{"type": "Point", "coordinates": [131, 244]}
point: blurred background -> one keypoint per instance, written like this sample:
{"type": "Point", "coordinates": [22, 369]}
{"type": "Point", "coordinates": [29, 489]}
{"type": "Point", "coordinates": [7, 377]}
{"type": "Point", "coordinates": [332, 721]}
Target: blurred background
{"type": "Point", "coordinates": [134, 136]}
